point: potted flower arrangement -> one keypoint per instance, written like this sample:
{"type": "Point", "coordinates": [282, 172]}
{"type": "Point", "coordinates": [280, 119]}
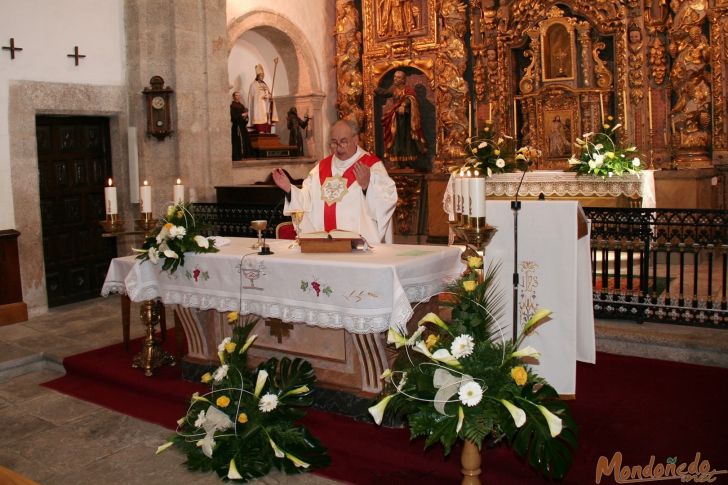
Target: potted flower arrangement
{"type": "Point", "coordinates": [245, 425]}
{"type": "Point", "coordinates": [176, 234]}
{"type": "Point", "coordinates": [488, 154]}
{"type": "Point", "coordinates": [599, 155]}
{"type": "Point", "coordinates": [463, 380]}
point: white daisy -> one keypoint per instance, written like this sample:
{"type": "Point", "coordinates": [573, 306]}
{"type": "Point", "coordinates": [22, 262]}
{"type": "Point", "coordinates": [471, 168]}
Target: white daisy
{"type": "Point", "coordinates": [268, 402]}
{"type": "Point", "coordinates": [220, 373]}
{"type": "Point", "coordinates": [470, 393]}
{"type": "Point", "coordinates": [462, 346]}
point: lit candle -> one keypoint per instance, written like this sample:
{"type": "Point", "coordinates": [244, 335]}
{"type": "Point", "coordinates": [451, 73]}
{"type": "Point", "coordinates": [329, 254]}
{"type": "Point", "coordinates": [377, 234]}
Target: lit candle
{"type": "Point", "coordinates": [465, 194]}
{"type": "Point", "coordinates": [145, 197]}
{"type": "Point", "coordinates": [179, 192]}
{"type": "Point", "coordinates": [110, 196]}
{"type": "Point", "coordinates": [477, 196]}
{"type": "Point", "coordinates": [649, 107]}
{"type": "Point", "coordinates": [601, 106]}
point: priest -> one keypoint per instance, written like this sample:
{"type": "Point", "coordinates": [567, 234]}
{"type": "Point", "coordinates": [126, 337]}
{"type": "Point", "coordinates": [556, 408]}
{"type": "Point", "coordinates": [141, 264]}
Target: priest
{"type": "Point", "coordinates": [349, 190]}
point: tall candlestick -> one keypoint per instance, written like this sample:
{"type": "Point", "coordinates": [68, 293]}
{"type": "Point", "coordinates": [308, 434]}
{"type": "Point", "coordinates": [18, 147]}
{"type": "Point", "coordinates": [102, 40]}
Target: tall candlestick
{"type": "Point", "coordinates": [490, 111]}
{"type": "Point", "coordinates": [515, 120]}
{"type": "Point", "coordinates": [601, 106]}
{"type": "Point", "coordinates": [477, 196]}
{"type": "Point", "coordinates": [470, 119]}
{"type": "Point", "coordinates": [179, 192]}
{"type": "Point", "coordinates": [649, 107]}
{"type": "Point", "coordinates": [145, 198]}
{"type": "Point", "coordinates": [110, 196]}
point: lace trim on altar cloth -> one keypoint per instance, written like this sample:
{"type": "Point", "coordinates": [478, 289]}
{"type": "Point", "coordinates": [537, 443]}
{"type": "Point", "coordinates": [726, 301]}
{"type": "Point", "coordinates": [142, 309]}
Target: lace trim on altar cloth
{"type": "Point", "coordinates": [353, 323]}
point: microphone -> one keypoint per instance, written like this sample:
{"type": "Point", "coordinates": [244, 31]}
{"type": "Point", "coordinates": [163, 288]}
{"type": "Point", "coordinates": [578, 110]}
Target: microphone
{"type": "Point", "coordinates": [516, 204]}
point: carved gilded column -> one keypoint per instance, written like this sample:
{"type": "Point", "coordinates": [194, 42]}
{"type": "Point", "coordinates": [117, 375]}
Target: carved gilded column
{"type": "Point", "coordinates": [349, 79]}
{"type": "Point", "coordinates": [719, 41]}
{"type": "Point", "coordinates": [587, 67]}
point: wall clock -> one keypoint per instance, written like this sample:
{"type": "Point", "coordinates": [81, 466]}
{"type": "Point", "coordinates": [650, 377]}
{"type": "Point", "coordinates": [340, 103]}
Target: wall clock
{"type": "Point", "coordinates": [157, 103]}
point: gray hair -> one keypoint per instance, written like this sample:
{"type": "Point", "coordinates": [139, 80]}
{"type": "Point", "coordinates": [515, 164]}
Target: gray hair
{"type": "Point", "coordinates": [352, 124]}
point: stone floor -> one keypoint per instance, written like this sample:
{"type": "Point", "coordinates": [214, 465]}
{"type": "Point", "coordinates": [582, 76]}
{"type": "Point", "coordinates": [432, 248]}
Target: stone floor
{"type": "Point", "coordinates": [55, 439]}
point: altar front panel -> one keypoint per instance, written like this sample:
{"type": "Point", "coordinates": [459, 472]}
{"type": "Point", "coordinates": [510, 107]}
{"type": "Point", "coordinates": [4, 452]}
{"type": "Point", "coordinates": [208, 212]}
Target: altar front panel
{"type": "Point", "coordinates": [554, 268]}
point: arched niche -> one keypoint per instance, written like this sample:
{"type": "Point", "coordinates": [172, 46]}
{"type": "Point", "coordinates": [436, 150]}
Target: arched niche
{"type": "Point", "coordinates": [296, 59]}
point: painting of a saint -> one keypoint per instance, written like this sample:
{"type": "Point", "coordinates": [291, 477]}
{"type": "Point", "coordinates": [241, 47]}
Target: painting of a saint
{"type": "Point", "coordinates": [558, 133]}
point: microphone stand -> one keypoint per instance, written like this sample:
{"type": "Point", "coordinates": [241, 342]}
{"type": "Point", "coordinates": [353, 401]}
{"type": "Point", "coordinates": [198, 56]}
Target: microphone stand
{"type": "Point", "coordinates": [516, 208]}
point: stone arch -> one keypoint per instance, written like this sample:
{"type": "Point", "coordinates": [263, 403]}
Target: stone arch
{"type": "Point", "coordinates": [296, 52]}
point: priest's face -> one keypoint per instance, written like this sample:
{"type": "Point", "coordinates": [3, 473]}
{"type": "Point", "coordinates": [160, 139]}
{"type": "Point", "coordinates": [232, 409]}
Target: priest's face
{"type": "Point", "coordinates": [343, 143]}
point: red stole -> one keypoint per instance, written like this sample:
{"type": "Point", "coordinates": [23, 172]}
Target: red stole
{"type": "Point", "coordinates": [325, 172]}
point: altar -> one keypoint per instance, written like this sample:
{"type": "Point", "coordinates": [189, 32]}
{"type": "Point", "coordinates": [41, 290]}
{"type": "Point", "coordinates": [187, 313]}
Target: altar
{"type": "Point", "coordinates": [331, 309]}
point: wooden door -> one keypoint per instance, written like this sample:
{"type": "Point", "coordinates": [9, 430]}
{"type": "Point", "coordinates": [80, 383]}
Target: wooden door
{"type": "Point", "coordinates": [74, 161]}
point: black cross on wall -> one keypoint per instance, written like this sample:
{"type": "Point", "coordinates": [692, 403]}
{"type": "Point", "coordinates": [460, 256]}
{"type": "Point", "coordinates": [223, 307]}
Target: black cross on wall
{"type": "Point", "coordinates": [12, 48]}
{"type": "Point", "coordinates": [75, 54]}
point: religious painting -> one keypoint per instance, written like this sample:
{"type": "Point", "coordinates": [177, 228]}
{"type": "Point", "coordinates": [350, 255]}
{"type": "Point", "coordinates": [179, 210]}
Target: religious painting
{"type": "Point", "coordinates": [559, 130]}
{"type": "Point", "coordinates": [404, 107]}
{"type": "Point", "coordinates": [399, 18]}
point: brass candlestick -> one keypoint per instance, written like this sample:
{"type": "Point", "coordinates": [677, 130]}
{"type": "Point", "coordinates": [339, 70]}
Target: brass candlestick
{"type": "Point", "coordinates": [146, 223]}
{"type": "Point", "coordinates": [152, 355]}
{"type": "Point", "coordinates": [112, 223]}
{"type": "Point", "coordinates": [476, 234]}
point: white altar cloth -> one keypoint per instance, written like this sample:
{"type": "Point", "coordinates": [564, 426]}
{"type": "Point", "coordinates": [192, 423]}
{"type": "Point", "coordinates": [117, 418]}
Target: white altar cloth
{"type": "Point", "coordinates": [554, 268]}
{"type": "Point", "coordinates": [362, 292]}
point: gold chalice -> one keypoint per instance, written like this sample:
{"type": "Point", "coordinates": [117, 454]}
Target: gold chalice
{"type": "Point", "coordinates": [259, 225]}
{"type": "Point", "coordinates": [296, 218]}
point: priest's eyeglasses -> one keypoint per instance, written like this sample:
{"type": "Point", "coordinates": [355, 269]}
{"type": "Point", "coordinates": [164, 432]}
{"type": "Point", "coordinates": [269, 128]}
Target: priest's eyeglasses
{"type": "Point", "coordinates": [343, 143]}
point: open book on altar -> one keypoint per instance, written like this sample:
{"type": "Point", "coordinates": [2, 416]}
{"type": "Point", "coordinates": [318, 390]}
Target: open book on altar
{"type": "Point", "coordinates": [334, 241]}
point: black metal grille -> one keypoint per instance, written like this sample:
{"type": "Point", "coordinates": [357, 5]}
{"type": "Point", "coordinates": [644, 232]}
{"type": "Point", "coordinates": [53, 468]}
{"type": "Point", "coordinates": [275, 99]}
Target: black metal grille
{"type": "Point", "coordinates": [661, 265]}
{"type": "Point", "coordinates": [233, 220]}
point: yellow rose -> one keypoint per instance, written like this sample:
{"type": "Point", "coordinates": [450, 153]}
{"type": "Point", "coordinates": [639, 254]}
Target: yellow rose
{"type": "Point", "coordinates": [470, 285]}
{"type": "Point", "coordinates": [206, 377]}
{"type": "Point", "coordinates": [519, 375]}
{"type": "Point", "coordinates": [606, 126]}
{"type": "Point", "coordinates": [230, 347]}
{"type": "Point", "coordinates": [496, 152]}
{"type": "Point", "coordinates": [475, 262]}
{"type": "Point", "coordinates": [243, 418]}
{"type": "Point", "coordinates": [180, 214]}
{"type": "Point", "coordinates": [232, 317]}
{"type": "Point", "coordinates": [168, 226]}
{"type": "Point", "coordinates": [222, 401]}
{"type": "Point", "coordinates": [431, 340]}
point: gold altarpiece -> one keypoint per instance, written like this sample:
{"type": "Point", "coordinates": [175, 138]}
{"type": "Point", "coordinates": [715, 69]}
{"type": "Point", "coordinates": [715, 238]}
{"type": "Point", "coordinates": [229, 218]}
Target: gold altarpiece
{"type": "Point", "coordinates": [541, 71]}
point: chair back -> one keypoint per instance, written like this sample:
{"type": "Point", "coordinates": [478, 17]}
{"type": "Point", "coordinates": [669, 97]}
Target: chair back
{"type": "Point", "coordinates": [285, 230]}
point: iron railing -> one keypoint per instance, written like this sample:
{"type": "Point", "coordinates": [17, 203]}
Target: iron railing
{"type": "Point", "coordinates": [660, 265]}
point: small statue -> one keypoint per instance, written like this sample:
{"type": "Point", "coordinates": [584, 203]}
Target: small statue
{"type": "Point", "coordinates": [295, 125]}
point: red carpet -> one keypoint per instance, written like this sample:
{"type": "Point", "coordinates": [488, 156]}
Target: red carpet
{"type": "Point", "coordinates": [639, 407]}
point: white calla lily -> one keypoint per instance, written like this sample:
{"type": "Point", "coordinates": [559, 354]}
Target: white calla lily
{"type": "Point", "coordinates": [461, 418]}
{"type": "Point", "coordinates": [233, 473]}
{"type": "Point", "coordinates": [396, 338]}
{"type": "Point", "coordinates": [518, 414]}
{"type": "Point", "coordinates": [527, 352]}
{"type": "Point", "coordinates": [552, 420]}
{"type": "Point", "coordinates": [377, 411]}
{"type": "Point", "coordinates": [260, 381]}
{"type": "Point", "coordinates": [540, 314]}
{"type": "Point", "coordinates": [279, 453]}
{"type": "Point", "coordinates": [433, 318]}
{"type": "Point", "coordinates": [248, 343]}
{"type": "Point", "coordinates": [297, 461]}
{"type": "Point", "coordinates": [202, 241]}
{"type": "Point", "coordinates": [444, 356]}
{"type": "Point", "coordinates": [163, 447]}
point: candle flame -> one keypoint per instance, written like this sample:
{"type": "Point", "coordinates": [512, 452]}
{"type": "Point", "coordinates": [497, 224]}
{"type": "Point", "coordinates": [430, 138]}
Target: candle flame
{"type": "Point", "coordinates": [111, 183]}
{"type": "Point", "coordinates": [477, 173]}
{"type": "Point", "coordinates": [146, 183]}
{"type": "Point", "coordinates": [179, 182]}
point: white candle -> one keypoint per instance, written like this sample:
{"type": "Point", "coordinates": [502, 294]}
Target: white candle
{"type": "Point", "coordinates": [601, 106]}
{"type": "Point", "coordinates": [465, 191]}
{"type": "Point", "coordinates": [457, 184]}
{"type": "Point", "coordinates": [179, 192]}
{"type": "Point", "coordinates": [624, 103]}
{"type": "Point", "coordinates": [110, 196]}
{"type": "Point", "coordinates": [470, 119]}
{"type": "Point", "coordinates": [477, 196]}
{"type": "Point", "coordinates": [145, 197]}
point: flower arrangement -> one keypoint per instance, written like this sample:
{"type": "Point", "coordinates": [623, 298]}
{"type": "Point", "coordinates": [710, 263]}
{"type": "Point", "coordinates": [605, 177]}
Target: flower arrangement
{"type": "Point", "coordinates": [464, 380]}
{"type": "Point", "coordinates": [245, 425]}
{"type": "Point", "coordinates": [176, 234]}
{"type": "Point", "coordinates": [488, 153]}
{"type": "Point", "coordinates": [599, 155]}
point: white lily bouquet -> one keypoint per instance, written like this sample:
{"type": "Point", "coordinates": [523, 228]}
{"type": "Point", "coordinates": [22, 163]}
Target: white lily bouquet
{"type": "Point", "coordinates": [176, 234]}
{"type": "Point", "coordinates": [489, 153]}
{"type": "Point", "coordinates": [599, 155]}
{"type": "Point", "coordinates": [464, 380]}
{"type": "Point", "coordinates": [246, 424]}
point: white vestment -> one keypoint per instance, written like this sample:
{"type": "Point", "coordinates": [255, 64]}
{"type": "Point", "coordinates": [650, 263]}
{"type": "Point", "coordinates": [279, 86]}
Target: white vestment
{"type": "Point", "coordinates": [369, 215]}
{"type": "Point", "coordinates": [259, 103]}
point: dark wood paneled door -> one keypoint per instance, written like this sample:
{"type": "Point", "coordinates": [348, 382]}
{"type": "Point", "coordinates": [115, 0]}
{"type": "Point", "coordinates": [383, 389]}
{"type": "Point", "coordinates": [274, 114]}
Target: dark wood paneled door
{"type": "Point", "coordinates": [74, 161]}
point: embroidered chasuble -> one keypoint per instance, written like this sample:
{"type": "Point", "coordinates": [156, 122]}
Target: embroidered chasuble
{"type": "Point", "coordinates": [332, 199]}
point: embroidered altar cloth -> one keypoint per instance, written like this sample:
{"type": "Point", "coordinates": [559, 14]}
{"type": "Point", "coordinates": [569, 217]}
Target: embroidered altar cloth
{"type": "Point", "coordinates": [362, 292]}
